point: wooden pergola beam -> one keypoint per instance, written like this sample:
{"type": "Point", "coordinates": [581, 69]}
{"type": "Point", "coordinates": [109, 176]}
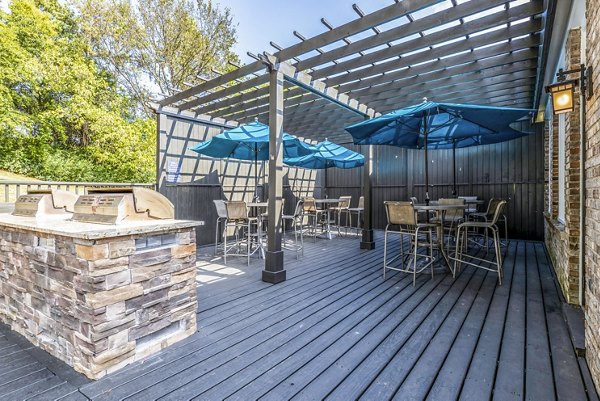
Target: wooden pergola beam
{"type": "Point", "coordinates": [351, 28]}
{"type": "Point", "coordinates": [511, 14]}
{"type": "Point", "coordinates": [500, 18]}
{"type": "Point", "coordinates": [400, 32]}
{"type": "Point", "coordinates": [382, 92]}
{"type": "Point", "coordinates": [410, 76]}
{"type": "Point", "coordinates": [483, 80]}
{"type": "Point", "coordinates": [433, 93]}
{"type": "Point", "coordinates": [213, 83]}
{"type": "Point", "coordinates": [481, 83]}
{"type": "Point", "coordinates": [487, 57]}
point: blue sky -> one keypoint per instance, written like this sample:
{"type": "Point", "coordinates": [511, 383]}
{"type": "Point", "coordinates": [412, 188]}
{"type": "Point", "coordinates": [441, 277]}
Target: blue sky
{"type": "Point", "coordinates": [260, 21]}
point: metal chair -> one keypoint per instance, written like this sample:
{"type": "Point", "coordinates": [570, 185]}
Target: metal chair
{"type": "Point", "coordinates": [341, 208]}
{"type": "Point", "coordinates": [462, 238]}
{"type": "Point", "coordinates": [451, 218]}
{"type": "Point", "coordinates": [296, 220]}
{"type": "Point", "coordinates": [358, 211]}
{"type": "Point", "coordinates": [403, 216]}
{"type": "Point", "coordinates": [221, 217]}
{"type": "Point", "coordinates": [489, 214]}
{"type": "Point", "coordinates": [311, 210]}
{"type": "Point", "coordinates": [238, 219]}
{"type": "Point", "coordinates": [420, 213]}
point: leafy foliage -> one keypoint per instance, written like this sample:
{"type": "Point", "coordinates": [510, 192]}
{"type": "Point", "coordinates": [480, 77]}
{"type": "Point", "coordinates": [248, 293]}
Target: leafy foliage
{"type": "Point", "coordinates": [61, 117]}
{"type": "Point", "coordinates": [162, 45]}
{"type": "Point", "coordinates": [73, 77]}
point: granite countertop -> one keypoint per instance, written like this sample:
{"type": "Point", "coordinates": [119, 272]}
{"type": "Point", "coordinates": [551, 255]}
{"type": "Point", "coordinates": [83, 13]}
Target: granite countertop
{"type": "Point", "coordinates": [61, 225]}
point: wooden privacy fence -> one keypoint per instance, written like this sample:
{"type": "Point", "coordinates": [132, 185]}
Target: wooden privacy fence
{"type": "Point", "coordinates": [10, 190]}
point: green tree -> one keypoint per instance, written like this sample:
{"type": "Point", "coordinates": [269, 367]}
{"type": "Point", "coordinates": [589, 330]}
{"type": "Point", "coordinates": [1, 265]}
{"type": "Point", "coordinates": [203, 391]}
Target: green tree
{"type": "Point", "coordinates": [61, 117]}
{"type": "Point", "coordinates": [158, 45]}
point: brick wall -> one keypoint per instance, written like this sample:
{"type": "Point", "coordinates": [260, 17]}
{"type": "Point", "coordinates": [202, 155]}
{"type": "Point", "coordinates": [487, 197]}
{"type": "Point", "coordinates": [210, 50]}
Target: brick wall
{"type": "Point", "coordinates": [562, 240]}
{"type": "Point", "coordinates": [592, 178]}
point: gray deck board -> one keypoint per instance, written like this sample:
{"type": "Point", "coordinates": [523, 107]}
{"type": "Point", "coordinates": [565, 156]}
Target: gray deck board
{"type": "Point", "coordinates": [335, 329]}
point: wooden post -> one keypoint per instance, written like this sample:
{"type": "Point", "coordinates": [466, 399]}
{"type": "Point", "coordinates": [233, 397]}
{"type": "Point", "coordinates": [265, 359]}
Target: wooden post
{"type": "Point", "coordinates": [368, 241]}
{"type": "Point", "coordinates": [274, 271]}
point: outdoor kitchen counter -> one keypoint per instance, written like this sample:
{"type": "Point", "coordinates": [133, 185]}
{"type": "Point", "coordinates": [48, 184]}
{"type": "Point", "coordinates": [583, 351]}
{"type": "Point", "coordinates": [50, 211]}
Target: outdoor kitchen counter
{"type": "Point", "coordinates": [98, 296]}
{"type": "Point", "coordinates": [60, 225]}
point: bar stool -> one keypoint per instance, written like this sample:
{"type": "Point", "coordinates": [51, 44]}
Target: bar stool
{"type": "Point", "coordinates": [221, 217]}
{"type": "Point", "coordinates": [311, 210]}
{"type": "Point", "coordinates": [462, 237]}
{"type": "Point", "coordinates": [358, 211]}
{"type": "Point", "coordinates": [452, 218]}
{"type": "Point", "coordinates": [341, 208]}
{"type": "Point", "coordinates": [296, 220]}
{"type": "Point", "coordinates": [238, 219]}
{"type": "Point", "coordinates": [489, 215]}
{"type": "Point", "coordinates": [402, 215]}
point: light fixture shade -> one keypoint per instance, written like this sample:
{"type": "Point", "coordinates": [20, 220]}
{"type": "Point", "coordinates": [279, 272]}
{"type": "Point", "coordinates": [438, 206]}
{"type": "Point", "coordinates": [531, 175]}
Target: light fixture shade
{"type": "Point", "coordinates": [562, 96]}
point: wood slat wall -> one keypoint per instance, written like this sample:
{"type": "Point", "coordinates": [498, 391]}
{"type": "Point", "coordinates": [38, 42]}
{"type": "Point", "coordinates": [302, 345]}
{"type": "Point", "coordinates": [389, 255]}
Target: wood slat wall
{"type": "Point", "coordinates": [512, 170]}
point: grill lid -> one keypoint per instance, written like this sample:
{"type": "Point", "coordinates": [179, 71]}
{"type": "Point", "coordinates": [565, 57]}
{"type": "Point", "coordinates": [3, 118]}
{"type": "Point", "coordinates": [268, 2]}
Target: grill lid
{"type": "Point", "coordinates": [113, 205]}
{"type": "Point", "coordinates": [45, 202]}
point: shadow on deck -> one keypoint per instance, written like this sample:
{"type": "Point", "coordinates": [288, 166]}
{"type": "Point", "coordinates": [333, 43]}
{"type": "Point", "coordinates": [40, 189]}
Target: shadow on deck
{"type": "Point", "coordinates": [336, 330]}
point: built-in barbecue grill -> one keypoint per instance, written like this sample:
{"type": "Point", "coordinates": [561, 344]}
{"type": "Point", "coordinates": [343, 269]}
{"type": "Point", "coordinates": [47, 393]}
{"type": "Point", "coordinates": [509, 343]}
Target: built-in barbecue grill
{"type": "Point", "coordinates": [45, 202]}
{"type": "Point", "coordinates": [113, 205]}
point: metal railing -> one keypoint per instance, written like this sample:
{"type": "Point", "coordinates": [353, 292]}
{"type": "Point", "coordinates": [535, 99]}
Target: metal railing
{"type": "Point", "coordinates": [11, 190]}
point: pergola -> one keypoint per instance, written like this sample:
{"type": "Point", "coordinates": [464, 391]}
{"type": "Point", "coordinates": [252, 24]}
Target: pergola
{"type": "Point", "coordinates": [479, 51]}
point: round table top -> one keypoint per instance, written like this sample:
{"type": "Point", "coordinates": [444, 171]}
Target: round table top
{"type": "Point", "coordinates": [440, 207]}
{"type": "Point", "coordinates": [327, 200]}
{"type": "Point", "coordinates": [258, 204]}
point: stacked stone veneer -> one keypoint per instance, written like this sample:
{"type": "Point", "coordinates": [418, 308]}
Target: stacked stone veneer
{"type": "Point", "coordinates": [592, 177]}
{"type": "Point", "coordinates": [562, 240]}
{"type": "Point", "coordinates": [100, 304]}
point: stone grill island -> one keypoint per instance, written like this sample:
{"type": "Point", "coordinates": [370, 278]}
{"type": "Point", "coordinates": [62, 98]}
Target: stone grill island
{"type": "Point", "coordinates": [98, 296]}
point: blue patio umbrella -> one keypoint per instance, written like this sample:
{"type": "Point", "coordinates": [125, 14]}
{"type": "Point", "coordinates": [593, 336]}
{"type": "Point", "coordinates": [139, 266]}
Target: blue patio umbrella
{"type": "Point", "coordinates": [431, 125]}
{"type": "Point", "coordinates": [328, 154]}
{"type": "Point", "coordinates": [250, 142]}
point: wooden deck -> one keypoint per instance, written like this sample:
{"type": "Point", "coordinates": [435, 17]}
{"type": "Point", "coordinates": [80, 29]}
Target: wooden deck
{"type": "Point", "coordinates": [336, 330]}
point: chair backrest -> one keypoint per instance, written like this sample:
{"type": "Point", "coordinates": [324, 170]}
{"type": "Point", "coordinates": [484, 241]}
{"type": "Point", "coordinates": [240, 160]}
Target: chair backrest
{"type": "Point", "coordinates": [221, 208]}
{"type": "Point", "coordinates": [492, 205]}
{"type": "Point", "coordinates": [498, 210]}
{"type": "Point", "coordinates": [344, 202]}
{"type": "Point", "coordinates": [299, 208]}
{"type": "Point", "coordinates": [310, 205]}
{"type": "Point", "coordinates": [361, 202]}
{"type": "Point", "coordinates": [236, 210]}
{"type": "Point", "coordinates": [452, 213]}
{"type": "Point", "coordinates": [400, 213]}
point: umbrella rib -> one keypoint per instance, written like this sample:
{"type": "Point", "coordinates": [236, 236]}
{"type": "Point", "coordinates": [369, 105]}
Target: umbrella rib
{"type": "Point", "coordinates": [466, 119]}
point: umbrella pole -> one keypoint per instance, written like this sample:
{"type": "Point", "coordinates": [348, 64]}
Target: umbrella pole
{"type": "Point", "coordinates": [454, 192]}
{"type": "Point", "coordinates": [256, 172]}
{"type": "Point", "coordinates": [425, 130]}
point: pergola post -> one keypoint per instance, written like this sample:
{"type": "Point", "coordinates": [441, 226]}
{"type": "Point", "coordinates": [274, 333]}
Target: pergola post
{"type": "Point", "coordinates": [274, 271]}
{"type": "Point", "coordinates": [368, 241]}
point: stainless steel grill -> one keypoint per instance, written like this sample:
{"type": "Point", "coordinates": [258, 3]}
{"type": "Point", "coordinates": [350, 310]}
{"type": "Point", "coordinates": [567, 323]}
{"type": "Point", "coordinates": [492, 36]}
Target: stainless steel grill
{"type": "Point", "coordinates": [45, 202]}
{"type": "Point", "coordinates": [114, 205]}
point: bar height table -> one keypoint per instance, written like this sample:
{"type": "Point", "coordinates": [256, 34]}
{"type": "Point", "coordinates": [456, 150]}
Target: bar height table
{"type": "Point", "coordinates": [326, 204]}
{"type": "Point", "coordinates": [434, 206]}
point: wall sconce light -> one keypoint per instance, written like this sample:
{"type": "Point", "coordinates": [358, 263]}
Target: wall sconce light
{"type": "Point", "coordinates": [563, 92]}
